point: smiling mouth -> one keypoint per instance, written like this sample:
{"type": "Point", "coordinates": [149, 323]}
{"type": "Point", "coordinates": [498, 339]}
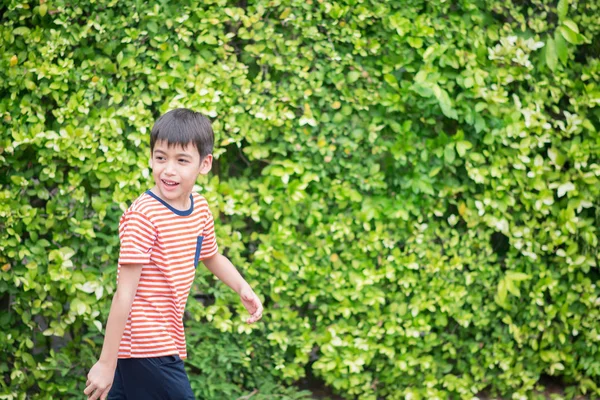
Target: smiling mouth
{"type": "Point", "coordinates": [169, 183]}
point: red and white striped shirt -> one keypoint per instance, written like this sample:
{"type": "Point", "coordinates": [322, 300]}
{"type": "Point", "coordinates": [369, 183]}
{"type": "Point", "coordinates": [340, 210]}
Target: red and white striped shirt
{"type": "Point", "coordinates": [169, 243]}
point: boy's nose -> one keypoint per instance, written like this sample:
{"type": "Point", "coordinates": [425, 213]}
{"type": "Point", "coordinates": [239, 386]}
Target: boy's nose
{"type": "Point", "coordinates": [169, 169]}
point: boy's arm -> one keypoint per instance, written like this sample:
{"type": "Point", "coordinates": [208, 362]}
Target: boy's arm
{"type": "Point", "coordinates": [101, 375]}
{"type": "Point", "coordinates": [223, 269]}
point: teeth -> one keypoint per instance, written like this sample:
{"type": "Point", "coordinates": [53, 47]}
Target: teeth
{"type": "Point", "coordinates": [169, 183]}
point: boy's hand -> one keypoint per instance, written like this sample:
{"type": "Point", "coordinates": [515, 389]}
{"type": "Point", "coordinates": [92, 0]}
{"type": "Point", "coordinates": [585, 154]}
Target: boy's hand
{"type": "Point", "coordinates": [99, 382]}
{"type": "Point", "coordinates": [252, 303]}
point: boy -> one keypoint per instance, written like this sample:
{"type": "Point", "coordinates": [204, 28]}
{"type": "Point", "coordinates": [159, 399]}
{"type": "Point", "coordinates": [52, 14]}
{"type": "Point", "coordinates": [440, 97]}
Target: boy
{"type": "Point", "coordinates": [164, 234]}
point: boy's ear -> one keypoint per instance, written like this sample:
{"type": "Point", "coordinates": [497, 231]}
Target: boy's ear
{"type": "Point", "coordinates": [206, 164]}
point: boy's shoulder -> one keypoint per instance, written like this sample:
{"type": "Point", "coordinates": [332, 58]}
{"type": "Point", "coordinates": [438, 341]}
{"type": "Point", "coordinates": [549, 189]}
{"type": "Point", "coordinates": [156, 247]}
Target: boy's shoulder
{"type": "Point", "coordinates": [199, 199]}
{"type": "Point", "coordinates": [201, 205]}
{"type": "Point", "coordinates": [142, 205]}
{"type": "Point", "coordinates": [139, 209]}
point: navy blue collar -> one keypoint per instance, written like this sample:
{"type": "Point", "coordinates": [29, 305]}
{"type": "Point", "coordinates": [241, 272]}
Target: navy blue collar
{"type": "Point", "coordinates": [183, 213]}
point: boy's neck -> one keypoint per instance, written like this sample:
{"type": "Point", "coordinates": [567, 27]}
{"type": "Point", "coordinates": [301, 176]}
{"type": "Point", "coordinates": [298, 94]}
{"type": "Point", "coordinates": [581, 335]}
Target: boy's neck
{"type": "Point", "coordinates": [181, 207]}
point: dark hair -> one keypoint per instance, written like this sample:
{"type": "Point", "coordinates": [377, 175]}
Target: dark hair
{"type": "Point", "coordinates": [182, 127]}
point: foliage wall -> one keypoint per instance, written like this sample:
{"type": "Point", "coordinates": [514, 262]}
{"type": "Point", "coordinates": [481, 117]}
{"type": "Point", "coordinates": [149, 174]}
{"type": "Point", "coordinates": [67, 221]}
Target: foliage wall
{"type": "Point", "coordinates": [412, 187]}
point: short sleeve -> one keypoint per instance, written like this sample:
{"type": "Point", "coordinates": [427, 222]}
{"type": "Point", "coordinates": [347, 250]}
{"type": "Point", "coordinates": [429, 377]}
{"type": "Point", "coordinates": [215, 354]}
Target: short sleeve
{"type": "Point", "coordinates": [137, 235]}
{"type": "Point", "coordinates": [209, 242]}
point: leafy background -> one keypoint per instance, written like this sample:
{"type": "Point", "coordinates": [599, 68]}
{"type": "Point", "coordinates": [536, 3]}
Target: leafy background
{"type": "Point", "coordinates": [412, 187]}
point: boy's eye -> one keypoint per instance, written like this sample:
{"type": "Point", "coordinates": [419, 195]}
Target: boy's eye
{"type": "Point", "coordinates": [182, 160]}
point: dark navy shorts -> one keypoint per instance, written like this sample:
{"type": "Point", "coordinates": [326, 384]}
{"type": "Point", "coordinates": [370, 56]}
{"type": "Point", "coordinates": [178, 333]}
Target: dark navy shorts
{"type": "Point", "coordinates": [157, 378]}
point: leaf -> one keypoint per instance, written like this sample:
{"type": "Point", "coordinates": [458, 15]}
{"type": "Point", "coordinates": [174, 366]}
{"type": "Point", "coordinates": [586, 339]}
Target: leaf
{"type": "Point", "coordinates": [445, 102]}
{"type": "Point", "coordinates": [502, 292]}
{"type": "Point", "coordinates": [286, 13]}
{"type": "Point", "coordinates": [422, 89]}
{"type": "Point", "coordinates": [14, 60]}
{"type": "Point", "coordinates": [570, 35]}
{"type": "Point", "coordinates": [67, 253]}
{"type": "Point", "coordinates": [28, 359]}
{"type": "Point", "coordinates": [561, 48]}
{"type": "Point", "coordinates": [152, 27]}
{"type": "Point", "coordinates": [43, 9]}
{"type": "Point", "coordinates": [517, 276]}
{"type": "Point", "coordinates": [353, 76]}
{"type": "Point", "coordinates": [571, 25]}
{"type": "Point", "coordinates": [449, 154]}
{"type": "Point", "coordinates": [469, 82]}
{"type": "Point", "coordinates": [564, 188]}
{"type": "Point", "coordinates": [512, 288]}
{"type": "Point", "coordinates": [415, 42]}
{"type": "Point", "coordinates": [435, 171]}
{"type": "Point", "coordinates": [87, 287]}
{"type": "Point", "coordinates": [22, 31]}
{"type": "Point", "coordinates": [78, 306]}
{"type": "Point", "coordinates": [462, 147]}
{"type": "Point", "coordinates": [562, 8]}
{"type": "Point", "coordinates": [480, 124]}
{"type": "Point", "coordinates": [452, 220]}
{"type": "Point", "coordinates": [429, 51]}
{"type": "Point", "coordinates": [556, 157]}
{"type": "Point", "coordinates": [551, 56]}
{"type": "Point", "coordinates": [391, 80]}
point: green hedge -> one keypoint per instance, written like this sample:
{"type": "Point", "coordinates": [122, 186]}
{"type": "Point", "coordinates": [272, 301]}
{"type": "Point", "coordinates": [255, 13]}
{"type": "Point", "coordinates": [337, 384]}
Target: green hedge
{"type": "Point", "coordinates": [413, 188]}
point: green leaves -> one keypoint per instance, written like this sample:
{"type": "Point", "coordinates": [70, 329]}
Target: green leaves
{"type": "Point", "coordinates": [557, 47]}
{"type": "Point", "coordinates": [21, 31]}
{"type": "Point", "coordinates": [561, 48]}
{"type": "Point", "coordinates": [353, 76]}
{"type": "Point", "coordinates": [551, 54]}
{"type": "Point", "coordinates": [510, 284]}
{"type": "Point", "coordinates": [425, 85]}
{"type": "Point", "coordinates": [78, 307]}
{"type": "Point", "coordinates": [562, 8]}
{"type": "Point", "coordinates": [445, 103]}
{"type": "Point", "coordinates": [462, 147]}
{"type": "Point", "coordinates": [570, 32]}
{"type": "Point", "coordinates": [565, 188]}
{"type": "Point", "coordinates": [412, 193]}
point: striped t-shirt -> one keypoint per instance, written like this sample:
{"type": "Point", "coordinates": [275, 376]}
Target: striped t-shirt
{"type": "Point", "coordinates": [169, 243]}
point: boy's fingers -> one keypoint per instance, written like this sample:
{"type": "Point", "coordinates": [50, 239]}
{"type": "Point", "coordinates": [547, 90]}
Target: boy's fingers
{"type": "Point", "coordinates": [98, 394]}
{"type": "Point", "coordinates": [256, 315]}
{"type": "Point", "coordinates": [254, 306]}
{"type": "Point", "coordinates": [88, 390]}
{"type": "Point", "coordinates": [105, 394]}
{"type": "Point", "coordinates": [259, 310]}
{"type": "Point", "coordinates": [256, 302]}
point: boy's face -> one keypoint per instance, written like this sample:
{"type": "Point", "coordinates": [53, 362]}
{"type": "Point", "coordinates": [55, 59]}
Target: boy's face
{"type": "Point", "coordinates": [175, 170]}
